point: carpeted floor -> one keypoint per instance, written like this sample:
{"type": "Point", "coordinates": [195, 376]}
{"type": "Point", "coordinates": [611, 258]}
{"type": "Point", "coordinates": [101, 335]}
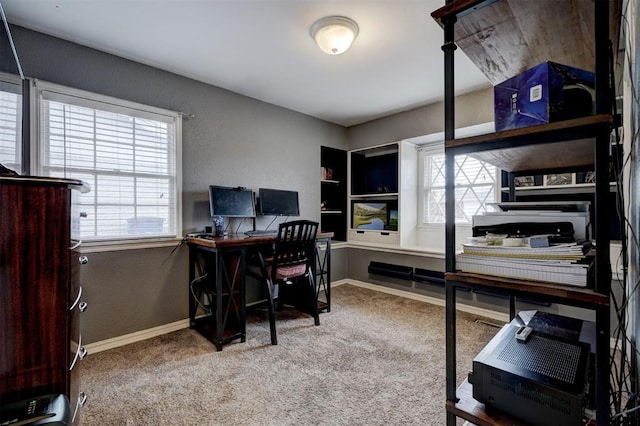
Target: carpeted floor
{"type": "Point", "coordinates": [376, 359]}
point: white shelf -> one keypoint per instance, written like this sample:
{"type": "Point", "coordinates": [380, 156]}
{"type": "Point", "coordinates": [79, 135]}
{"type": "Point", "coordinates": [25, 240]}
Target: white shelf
{"type": "Point", "coordinates": [331, 211]}
{"type": "Point", "coordinates": [378, 195]}
{"type": "Point", "coordinates": [574, 188]}
{"type": "Point", "coordinates": [335, 182]}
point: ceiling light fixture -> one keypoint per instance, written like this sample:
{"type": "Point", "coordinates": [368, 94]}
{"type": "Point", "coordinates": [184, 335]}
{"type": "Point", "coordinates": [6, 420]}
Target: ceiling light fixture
{"type": "Point", "coordinates": [334, 34]}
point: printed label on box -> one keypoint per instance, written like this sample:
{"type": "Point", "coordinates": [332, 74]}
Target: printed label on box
{"type": "Point", "coordinates": [514, 102]}
{"type": "Point", "coordinates": [535, 93]}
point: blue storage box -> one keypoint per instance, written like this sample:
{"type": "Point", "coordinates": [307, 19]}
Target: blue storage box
{"type": "Point", "coordinates": [545, 93]}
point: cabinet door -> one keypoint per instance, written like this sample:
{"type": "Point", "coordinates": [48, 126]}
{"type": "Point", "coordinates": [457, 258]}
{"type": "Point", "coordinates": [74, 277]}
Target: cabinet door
{"type": "Point", "coordinates": [34, 290]}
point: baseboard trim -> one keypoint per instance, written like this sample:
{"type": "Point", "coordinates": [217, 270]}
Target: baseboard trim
{"type": "Point", "coordinates": [138, 336]}
{"type": "Point", "coordinates": [498, 316]}
{"type": "Point", "coordinates": [474, 310]}
{"type": "Point", "coordinates": [339, 282]}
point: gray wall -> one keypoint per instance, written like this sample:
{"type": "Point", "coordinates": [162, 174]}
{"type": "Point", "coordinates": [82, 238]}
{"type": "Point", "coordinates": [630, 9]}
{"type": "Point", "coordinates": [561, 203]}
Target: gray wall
{"type": "Point", "coordinates": [471, 108]}
{"type": "Point", "coordinates": [233, 140]}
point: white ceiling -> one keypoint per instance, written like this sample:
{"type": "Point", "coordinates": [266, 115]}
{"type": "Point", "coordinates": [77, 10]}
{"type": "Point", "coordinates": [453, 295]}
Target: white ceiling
{"type": "Point", "coordinates": [262, 48]}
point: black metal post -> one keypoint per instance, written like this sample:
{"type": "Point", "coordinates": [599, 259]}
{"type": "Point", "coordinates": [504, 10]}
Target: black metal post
{"type": "Point", "coordinates": [449, 48]}
{"type": "Point", "coordinates": [602, 214]}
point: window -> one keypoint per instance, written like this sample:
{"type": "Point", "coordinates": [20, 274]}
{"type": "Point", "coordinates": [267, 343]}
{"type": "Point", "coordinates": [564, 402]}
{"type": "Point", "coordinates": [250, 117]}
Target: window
{"type": "Point", "coordinates": [128, 153]}
{"type": "Point", "coordinates": [475, 186]}
{"type": "Point", "coordinates": [11, 122]}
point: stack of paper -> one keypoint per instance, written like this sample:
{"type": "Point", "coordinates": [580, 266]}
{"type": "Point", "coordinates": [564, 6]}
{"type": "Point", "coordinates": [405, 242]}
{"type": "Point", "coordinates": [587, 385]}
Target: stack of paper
{"type": "Point", "coordinates": [562, 264]}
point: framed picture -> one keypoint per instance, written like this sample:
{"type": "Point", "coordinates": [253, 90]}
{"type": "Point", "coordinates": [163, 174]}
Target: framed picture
{"type": "Point", "coordinates": [524, 181]}
{"type": "Point", "coordinates": [559, 179]}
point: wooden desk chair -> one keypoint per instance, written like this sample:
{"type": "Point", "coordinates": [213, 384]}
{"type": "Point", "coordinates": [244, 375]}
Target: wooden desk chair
{"type": "Point", "coordinates": [289, 266]}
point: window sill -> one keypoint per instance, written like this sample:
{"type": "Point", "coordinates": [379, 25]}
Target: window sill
{"type": "Point", "coordinates": [106, 246]}
{"type": "Point", "coordinates": [408, 250]}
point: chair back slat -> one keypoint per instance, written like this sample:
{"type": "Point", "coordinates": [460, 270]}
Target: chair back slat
{"type": "Point", "coordinates": [295, 244]}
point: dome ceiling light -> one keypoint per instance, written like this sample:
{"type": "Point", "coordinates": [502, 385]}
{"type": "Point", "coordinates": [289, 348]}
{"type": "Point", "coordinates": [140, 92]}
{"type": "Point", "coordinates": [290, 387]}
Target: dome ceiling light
{"type": "Point", "coordinates": [334, 34]}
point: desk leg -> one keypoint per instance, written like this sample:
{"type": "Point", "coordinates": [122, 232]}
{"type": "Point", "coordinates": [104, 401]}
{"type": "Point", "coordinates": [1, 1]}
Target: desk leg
{"type": "Point", "coordinates": [196, 286]}
{"type": "Point", "coordinates": [192, 276]}
{"type": "Point", "coordinates": [322, 273]}
{"type": "Point", "coordinates": [218, 302]}
{"type": "Point", "coordinates": [230, 296]}
{"type": "Point", "coordinates": [217, 288]}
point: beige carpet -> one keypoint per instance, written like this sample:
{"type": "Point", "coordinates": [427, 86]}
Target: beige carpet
{"type": "Point", "coordinates": [376, 359]}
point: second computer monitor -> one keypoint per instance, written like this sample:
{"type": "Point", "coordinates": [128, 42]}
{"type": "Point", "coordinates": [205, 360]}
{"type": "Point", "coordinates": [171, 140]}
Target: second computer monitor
{"type": "Point", "coordinates": [278, 202]}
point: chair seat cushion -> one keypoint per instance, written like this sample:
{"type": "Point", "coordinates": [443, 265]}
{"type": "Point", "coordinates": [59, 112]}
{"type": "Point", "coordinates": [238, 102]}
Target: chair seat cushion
{"type": "Point", "coordinates": [285, 272]}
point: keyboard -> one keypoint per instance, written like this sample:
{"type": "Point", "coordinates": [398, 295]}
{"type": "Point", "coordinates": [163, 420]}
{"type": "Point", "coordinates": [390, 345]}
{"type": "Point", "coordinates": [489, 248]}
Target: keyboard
{"type": "Point", "coordinates": [261, 233]}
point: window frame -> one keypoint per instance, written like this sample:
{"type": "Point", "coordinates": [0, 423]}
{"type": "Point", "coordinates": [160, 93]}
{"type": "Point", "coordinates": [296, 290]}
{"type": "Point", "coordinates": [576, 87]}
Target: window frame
{"type": "Point", "coordinates": [435, 149]}
{"type": "Point", "coordinates": [43, 90]}
{"type": "Point", "coordinates": [431, 236]}
{"type": "Point", "coordinates": [15, 80]}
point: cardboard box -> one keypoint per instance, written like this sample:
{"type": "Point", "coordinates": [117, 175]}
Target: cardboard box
{"type": "Point", "coordinates": [545, 93]}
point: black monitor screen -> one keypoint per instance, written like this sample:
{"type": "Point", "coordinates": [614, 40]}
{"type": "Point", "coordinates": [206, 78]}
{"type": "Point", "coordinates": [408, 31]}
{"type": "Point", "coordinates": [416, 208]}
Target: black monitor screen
{"type": "Point", "coordinates": [278, 202]}
{"type": "Point", "coordinates": [231, 202]}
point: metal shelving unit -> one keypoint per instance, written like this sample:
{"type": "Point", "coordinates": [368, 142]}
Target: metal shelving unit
{"type": "Point", "coordinates": [496, 34]}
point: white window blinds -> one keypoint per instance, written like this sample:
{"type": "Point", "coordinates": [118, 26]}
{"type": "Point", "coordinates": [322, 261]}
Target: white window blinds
{"type": "Point", "coordinates": [11, 125]}
{"type": "Point", "coordinates": [127, 153]}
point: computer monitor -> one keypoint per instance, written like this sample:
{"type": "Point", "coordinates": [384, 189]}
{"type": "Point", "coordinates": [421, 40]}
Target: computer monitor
{"type": "Point", "coordinates": [278, 202]}
{"type": "Point", "coordinates": [231, 202]}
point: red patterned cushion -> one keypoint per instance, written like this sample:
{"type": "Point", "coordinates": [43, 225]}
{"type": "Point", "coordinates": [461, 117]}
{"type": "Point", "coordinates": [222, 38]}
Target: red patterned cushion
{"type": "Point", "coordinates": [290, 271]}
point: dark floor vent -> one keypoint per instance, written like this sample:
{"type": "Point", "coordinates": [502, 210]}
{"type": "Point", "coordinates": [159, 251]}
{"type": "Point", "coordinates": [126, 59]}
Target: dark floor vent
{"type": "Point", "coordinates": [391, 270]}
{"type": "Point", "coordinates": [533, 302]}
{"type": "Point", "coordinates": [506, 296]}
{"type": "Point", "coordinates": [491, 293]}
{"type": "Point", "coordinates": [428, 276]}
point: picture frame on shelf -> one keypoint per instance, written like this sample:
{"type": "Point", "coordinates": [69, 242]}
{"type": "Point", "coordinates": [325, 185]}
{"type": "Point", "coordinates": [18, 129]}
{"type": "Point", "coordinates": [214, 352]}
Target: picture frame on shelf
{"type": "Point", "coordinates": [519, 181]}
{"type": "Point", "coordinates": [558, 179]}
{"type": "Point", "coordinates": [586, 177]}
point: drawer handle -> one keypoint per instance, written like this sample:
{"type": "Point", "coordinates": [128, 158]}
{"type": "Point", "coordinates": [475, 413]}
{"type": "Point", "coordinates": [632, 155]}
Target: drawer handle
{"type": "Point", "coordinates": [359, 232]}
{"type": "Point", "coordinates": [83, 260]}
{"type": "Point", "coordinates": [384, 233]}
{"type": "Point", "coordinates": [77, 355]}
{"type": "Point", "coordinates": [82, 353]}
{"type": "Point", "coordinates": [75, 302]}
{"type": "Point", "coordinates": [83, 306]}
{"type": "Point", "coordinates": [76, 245]}
{"type": "Point", "coordinates": [82, 399]}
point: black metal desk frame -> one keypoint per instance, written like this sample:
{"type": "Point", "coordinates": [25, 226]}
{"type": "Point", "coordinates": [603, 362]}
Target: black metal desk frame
{"type": "Point", "coordinates": [217, 275]}
{"type": "Point", "coordinates": [322, 272]}
{"type": "Point", "coordinates": [221, 279]}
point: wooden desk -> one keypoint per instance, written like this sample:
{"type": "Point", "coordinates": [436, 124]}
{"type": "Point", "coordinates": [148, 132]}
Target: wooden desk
{"type": "Point", "coordinates": [217, 278]}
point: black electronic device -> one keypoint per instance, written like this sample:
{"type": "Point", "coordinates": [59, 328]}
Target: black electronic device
{"type": "Point", "coordinates": [231, 202]}
{"type": "Point", "coordinates": [278, 202]}
{"type": "Point", "coordinates": [538, 369]}
{"type": "Point", "coordinates": [42, 410]}
{"type": "Point", "coordinates": [558, 232]}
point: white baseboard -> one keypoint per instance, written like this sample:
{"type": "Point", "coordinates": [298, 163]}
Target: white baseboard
{"type": "Point", "coordinates": [178, 325]}
{"type": "Point", "coordinates": [487, 313]}
{"type": "Point", "coordinates": [340, 282]}
{"type": "Point", "coordinates": [138, 336]}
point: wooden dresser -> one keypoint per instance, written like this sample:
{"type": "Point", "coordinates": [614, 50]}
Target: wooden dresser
{"type": "Point", "coordinates": [40, 300]}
